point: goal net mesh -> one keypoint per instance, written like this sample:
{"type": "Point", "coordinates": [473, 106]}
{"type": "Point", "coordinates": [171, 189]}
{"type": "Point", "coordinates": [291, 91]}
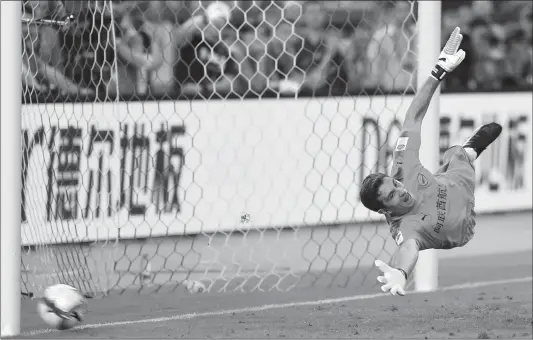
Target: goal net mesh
{"type": "Point", "coordinates": [165, 147]}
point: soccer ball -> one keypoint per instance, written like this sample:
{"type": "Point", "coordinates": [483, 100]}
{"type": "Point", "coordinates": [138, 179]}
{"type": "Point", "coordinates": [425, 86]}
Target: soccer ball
{"type": "Point", "coordinates": [62, 306]}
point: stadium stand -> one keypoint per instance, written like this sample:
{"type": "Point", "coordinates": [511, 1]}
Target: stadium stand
{"type": "Point", "coordinates": [166, 50]}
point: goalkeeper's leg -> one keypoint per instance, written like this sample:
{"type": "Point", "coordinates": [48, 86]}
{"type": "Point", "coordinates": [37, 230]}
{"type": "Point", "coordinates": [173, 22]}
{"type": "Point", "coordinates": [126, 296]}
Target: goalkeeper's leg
{"type": "Point", "coordinates": [482, 138]}
{"type": "Point", "coordinates": [459, 160]}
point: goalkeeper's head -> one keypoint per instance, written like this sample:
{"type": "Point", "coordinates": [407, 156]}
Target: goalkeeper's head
{"type": "Point", "coordinates": [385, 195]}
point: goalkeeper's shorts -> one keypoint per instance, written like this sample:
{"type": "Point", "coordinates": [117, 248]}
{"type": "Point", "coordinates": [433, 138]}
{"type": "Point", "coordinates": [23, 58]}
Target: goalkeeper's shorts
{"type": "Point", "coordinates": [458, 168]}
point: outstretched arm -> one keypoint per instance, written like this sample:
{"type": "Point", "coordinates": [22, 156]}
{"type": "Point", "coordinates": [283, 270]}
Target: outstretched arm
{"type": "Point", "coordinates": [406, 256]}
{"type": "Point", "coordinates": [418, 108]}
{"type": "Point", "coordinates": [449, 58]}
{"type": "Point", "coordinates": [395, 276]}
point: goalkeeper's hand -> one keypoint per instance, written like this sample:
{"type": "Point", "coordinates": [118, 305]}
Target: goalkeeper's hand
{"type": "Point", "coordinates": [393, 280]}
{"type": "Point", "coordinates": [450, 57]}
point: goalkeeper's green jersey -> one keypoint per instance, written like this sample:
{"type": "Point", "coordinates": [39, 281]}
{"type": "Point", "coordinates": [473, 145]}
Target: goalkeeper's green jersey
{"type": "Point", "coordinates": [443, 216]}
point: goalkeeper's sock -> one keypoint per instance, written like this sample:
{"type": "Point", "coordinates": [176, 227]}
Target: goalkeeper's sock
{"type": "Point", "coordinates": [483, 137]}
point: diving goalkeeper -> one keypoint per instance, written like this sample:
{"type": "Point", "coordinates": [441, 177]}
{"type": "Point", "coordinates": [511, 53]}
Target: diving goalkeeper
{"type": "Point", "coordinates": [425, 210]}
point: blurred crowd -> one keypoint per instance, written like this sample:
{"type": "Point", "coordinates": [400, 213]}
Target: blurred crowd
{"type": "Point", "coordinates": [141, 50]}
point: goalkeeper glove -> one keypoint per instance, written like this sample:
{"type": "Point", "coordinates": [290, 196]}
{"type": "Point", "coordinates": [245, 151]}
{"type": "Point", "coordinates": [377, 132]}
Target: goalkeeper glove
{"type": "Point", "coordinates": [450, 57]}
{"type": "Point", "coordinates": [394, 280]}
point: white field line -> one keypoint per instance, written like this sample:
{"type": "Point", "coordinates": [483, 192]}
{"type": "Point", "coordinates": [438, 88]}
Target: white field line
{"type": "Point", "coordinates": [189, 316]}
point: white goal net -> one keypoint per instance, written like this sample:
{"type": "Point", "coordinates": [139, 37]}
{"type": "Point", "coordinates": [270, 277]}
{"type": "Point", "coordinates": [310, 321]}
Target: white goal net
{"type": "Point", "coordinates": [221, 143]}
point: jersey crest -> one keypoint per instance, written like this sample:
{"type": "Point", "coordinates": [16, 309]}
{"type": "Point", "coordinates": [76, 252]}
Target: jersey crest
{"type": "Point", "coordinates": [422, 180]}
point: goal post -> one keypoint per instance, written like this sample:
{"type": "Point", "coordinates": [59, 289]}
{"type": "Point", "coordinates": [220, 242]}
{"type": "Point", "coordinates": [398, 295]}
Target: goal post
{"type": "Point", "coordinates": [10, 124]}
{"type": "Point", "coordinates": [428, 48]}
